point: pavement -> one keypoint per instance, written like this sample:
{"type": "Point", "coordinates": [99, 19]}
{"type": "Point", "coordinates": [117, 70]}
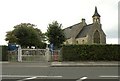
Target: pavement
{"type": "Point", "coordinates": [86, 64]}
{"type": "Point", "coordinates": [72, 64]}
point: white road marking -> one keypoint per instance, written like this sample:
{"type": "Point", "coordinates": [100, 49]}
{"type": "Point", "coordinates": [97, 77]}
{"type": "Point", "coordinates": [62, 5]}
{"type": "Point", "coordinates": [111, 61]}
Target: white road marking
{"type": "Point", "coordinates": [83, 78]}
{"type": "Point", "coordinates": [50, 76]}
{"type": "Point", "coordinates": [27, 79]}
{"type": "Point", "coordinates": [109, 76]}
{"type": "Point", "coordinates": [31, 76]}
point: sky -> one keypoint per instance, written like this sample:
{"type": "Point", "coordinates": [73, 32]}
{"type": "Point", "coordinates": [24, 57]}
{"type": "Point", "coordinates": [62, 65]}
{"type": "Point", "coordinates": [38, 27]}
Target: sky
{"type": "Point", "coordinates": [66, 12]}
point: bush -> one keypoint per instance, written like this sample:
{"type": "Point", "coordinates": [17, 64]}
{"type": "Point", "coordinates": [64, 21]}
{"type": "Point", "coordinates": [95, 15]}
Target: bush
{"type": "Point", "coordinates": [91, 53]}
{"type": "Point", "coordinates": [4, 53]}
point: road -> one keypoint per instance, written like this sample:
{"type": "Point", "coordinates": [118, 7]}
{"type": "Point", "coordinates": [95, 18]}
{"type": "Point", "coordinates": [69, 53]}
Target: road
{"type": "Point", "coordinates": [28, 71]}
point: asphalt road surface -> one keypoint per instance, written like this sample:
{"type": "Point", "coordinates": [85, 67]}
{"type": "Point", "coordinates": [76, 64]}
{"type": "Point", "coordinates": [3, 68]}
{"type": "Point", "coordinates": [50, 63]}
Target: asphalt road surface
{"type": "Point", "coordinates": [43, 72]}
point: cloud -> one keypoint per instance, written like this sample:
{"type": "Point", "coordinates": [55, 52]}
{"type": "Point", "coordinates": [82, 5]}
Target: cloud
{"type": "Point", "coordinates": [112, 33]}
{"type": "Point", "coordinates": [112, 41]}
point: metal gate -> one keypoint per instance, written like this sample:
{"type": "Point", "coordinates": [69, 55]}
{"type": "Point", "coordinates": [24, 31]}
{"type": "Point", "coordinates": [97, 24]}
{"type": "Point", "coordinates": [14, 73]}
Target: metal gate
{"type": "Point", "coordinates": [13, 55]}
{"type": "Point", "coordinates": [33, 55]}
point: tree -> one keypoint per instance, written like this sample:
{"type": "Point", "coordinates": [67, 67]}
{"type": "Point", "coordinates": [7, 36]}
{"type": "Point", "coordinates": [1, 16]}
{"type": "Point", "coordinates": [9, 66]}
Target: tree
{"type": "Point", "coordinates": [55, 34]}
{"type": "Point", "coordinates": [11, 37]}
{"type": "Point", "coordinates": [26, 35]}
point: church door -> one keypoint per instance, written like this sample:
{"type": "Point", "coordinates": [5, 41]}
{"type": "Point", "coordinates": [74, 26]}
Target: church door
{"type": "Point", "coordinates": [96, 37]}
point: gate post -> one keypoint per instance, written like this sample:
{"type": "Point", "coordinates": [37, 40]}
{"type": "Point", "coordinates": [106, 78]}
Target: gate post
{"type": "Point", "coordinates": [47, 55]}
{"type": "Point", "coordinates": [19, 54]}
{"type": "Point", "coordinates": [55, 55]}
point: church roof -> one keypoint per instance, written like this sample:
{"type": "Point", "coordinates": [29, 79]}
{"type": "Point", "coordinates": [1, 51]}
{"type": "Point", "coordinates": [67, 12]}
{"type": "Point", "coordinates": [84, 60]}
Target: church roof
{"type": "Point", "coordinates": [77, 31]}
{"type": "Point", "coordinates": [96, 13]}
{"type": "Point", "coordinates": [84, 31]}
{"type": "Point", "coordinates": [73, 31]}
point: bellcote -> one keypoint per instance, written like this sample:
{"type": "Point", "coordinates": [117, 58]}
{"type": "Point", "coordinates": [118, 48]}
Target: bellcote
{"type": "Point", "coordinates": [96, 16]}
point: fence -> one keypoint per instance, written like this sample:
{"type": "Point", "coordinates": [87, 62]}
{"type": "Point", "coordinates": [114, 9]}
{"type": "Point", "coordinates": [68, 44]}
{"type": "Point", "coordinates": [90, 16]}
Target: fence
{"type": "Point", "coordinates": [13, 55]}
{"type": "Point", "coordinates": [34, 55]}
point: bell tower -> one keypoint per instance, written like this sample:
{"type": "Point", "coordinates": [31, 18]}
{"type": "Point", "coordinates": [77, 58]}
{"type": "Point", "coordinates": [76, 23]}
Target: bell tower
{"type": "Point", "coordinates": [96, 16]}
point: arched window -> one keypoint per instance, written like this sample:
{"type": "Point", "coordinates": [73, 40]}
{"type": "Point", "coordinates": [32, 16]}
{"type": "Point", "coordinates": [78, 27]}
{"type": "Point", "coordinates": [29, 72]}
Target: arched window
{"type": "Point", "coordinates": [83, 42]}
{"type": "Point", "coordinates": [97, 37]}
{"type": "Point", "coordinates": [76, 42]}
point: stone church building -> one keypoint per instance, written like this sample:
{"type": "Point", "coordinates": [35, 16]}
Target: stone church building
{"type": "Point", "coordinates": [83, 33]}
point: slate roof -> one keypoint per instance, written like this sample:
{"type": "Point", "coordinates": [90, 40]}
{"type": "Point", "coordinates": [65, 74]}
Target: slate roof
{"type": "Point", "coordinates": [84, 31]}
{"type": "Point", "coordinates": [73, 31]}
{"type": "Point", "coordinates": [77, 31]}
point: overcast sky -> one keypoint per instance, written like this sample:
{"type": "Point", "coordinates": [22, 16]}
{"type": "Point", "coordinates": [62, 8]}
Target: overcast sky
{"type": "Point", "coordinates": [66, 12]}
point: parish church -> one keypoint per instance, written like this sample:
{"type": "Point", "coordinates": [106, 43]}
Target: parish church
{"type": "Point", "coordinates": [83, 33]}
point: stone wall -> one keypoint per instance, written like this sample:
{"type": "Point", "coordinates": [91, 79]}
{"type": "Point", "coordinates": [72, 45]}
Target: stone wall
{"type": "Point", "coordinates": [82, 40]}
{"type": "Point", "coordinates": [91, 34]}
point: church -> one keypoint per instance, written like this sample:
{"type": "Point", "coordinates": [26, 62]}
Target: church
{"type": "Point", "coordinates": [83, 33]}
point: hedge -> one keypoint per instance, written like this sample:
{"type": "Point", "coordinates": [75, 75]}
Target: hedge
{"type": "Point", "coordinates": [4, 53]}
{"type": "Point", "coordinates": [91, 53]}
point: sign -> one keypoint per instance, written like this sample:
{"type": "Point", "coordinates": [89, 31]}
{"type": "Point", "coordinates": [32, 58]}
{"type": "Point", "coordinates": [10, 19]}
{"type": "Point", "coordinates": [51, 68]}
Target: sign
{"type": "Point", "coordinates": [12, 47]}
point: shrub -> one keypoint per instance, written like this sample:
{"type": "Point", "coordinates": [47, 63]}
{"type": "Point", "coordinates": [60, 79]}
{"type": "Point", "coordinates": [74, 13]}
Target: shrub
{"type": "Point", "coordinates": [91, 52]}
{"type": "Point", "coordinates": [4, 53]}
